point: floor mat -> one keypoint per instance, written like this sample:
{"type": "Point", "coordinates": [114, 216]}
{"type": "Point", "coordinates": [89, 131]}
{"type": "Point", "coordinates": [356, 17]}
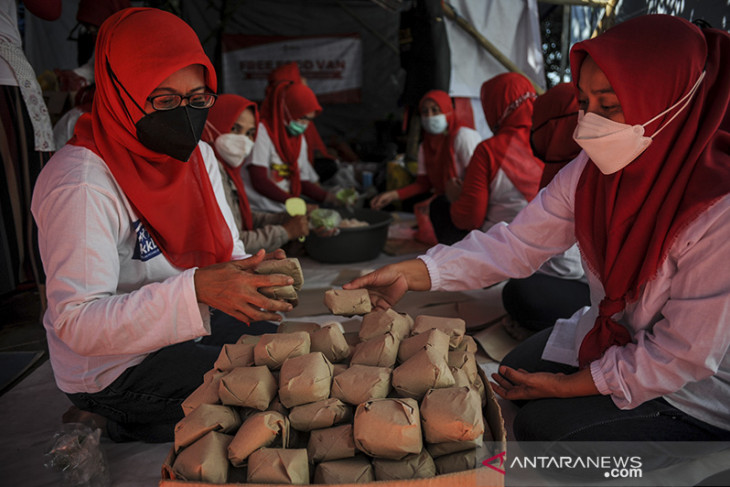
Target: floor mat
{"type": "Point", "coordinates": [14, 364]}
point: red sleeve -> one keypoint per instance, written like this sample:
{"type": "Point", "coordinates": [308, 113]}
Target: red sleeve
{"type": "Point", "coordinates": [470, 210]}
{"type": "Point", "coordinates": [44, 9]}
{"type": "Point", "coordinates": [420, 186]}
{"type": "Point", "coordinates": [265, 186]}
{"type": "Point", "coordinates": [314, 191]}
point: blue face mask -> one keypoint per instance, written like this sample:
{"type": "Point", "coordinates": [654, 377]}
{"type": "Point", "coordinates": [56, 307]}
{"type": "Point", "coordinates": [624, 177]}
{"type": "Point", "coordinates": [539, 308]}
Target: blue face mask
{"type": "Point", "coordinates": [296, 128]}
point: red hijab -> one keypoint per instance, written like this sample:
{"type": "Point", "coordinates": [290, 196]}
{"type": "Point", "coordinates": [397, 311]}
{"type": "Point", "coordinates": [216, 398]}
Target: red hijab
{"type": "Point", "coordinates": [507, 103]}
{"type": "Point", "coordinates": [173, 199]}
{"type": "Point", "coordinates": [554, 116]}
{"type": "Point", "coordinates": [95, 12]}
{"type": "Point", "coordinates": [438, 149]}
{"type": "Point", "coordinates": [221, 118]}
{"type": "Point", "coordinates": [290, 72]}
{"type": "Point", "coordinates": [285, 72]}
{"type": "Point", "coordinates": [626, 222]}
{"type": "Point", "coordinates": [286, 102]}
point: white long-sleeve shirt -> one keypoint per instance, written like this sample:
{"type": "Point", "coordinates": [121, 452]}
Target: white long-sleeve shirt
{"type": "Point", "coordinates": [113, 297]}
{"type": "Point", "coordinates": [680, 323]}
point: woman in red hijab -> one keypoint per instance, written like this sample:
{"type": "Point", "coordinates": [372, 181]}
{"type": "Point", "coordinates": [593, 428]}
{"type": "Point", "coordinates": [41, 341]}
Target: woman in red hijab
{"type": "Point", "coordinates": [648, 201]}
{"type": "Point", "coordinates": [503, 175]}
{"type": "Point", "coordinates": [554, 116]}
{"type": "Point", "coordinates": [279, 167]}
{"type": "Point", "coordinates": [231, 131]}
{"type": "Point", "coordinates": [443, 155]}
{"type": "Point", "coordinates": [137, 240]}
{"type": "Point", "coordinates": [290, 73]}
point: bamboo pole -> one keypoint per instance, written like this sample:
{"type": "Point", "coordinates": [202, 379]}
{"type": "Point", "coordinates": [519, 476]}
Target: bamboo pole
{"type": "Point", "coordinates": [607, 19]}
{"type": "Point", "coordinates": [491, 48]}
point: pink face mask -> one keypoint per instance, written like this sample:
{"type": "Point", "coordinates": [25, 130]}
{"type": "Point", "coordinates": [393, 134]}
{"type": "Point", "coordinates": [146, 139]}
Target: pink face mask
{"type": "Point", "coordinates": [613, 145]}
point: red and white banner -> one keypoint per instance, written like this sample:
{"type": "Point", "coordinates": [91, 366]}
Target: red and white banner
{"type": "Point", "coordinates": [332, 65]}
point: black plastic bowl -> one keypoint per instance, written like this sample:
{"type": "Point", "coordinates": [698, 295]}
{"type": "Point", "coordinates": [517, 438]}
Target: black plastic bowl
{"type": "Point", "coordinates": [352, 244]}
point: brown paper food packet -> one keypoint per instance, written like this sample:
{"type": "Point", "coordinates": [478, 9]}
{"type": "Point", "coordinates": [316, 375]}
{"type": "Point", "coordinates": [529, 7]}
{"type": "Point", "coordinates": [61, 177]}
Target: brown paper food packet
{"type": "Point", "coordinates": [388, 428]}
{"type": "Point", "coordinates": [454, 327]}
{"type": "Point", "coordinates": [355, 470]}
{"type": "Point", "coordinates": [464, 362]}
{"type": "Point", "coordinates": [452, 414]}
{"type": "Point", "coordinates": [361, 383]}
{"type": "Point", "coordinates": [205, 418]}
{"type": "Point", "coordinates": [294, 326]}
{"type": "Point", "coordinates": [278, 466]}
{"type": "Point", "coordinates": [436, 339]}
{"type": "Point", "coordinates": [425, 370]}
{"type": "Point", "coordinates": [284, 293]}
{"type": "Point", "coordinates": [377, 352]}
{"type": "Point", "coordinates": [347, 302]}
{"type": "Point", "coordinates": [331, 444]}
{"type": "Point", "coordinates": [478, 385]}
{"type": "Point", "coordinates": [252, 339]}
{"type": "Point", "coordinates": [379, 321]}
{"type": "Point", "coordinates": [320, 414]}
{"type": "Point", "coordinates": [234, 355]}
{"type": "Point", "coordinates": [252, 387]}
{"type": "Point", "coordinates": [305, 379]}
{"type": "Point", "coordinates": [468, 344]}
{"type": "Point", "coordinates": [274, 348]}
{"type": "Point", "coordinates": [289, 267]}
{"type": "Point", "coordinates": [460, 461]}
{"type": "Point", "coordinates": [440, 449]}
{"type": "Point", "coordinates": [258, 431]}
{"type": "Point", "coordinates": [205, 393]}
{"type": "Point", "coordinates": [205, 460]}
{"type": "Point", "coordinates": [330, 340]}
{"type": "Point", "coordinates": [414, 466]}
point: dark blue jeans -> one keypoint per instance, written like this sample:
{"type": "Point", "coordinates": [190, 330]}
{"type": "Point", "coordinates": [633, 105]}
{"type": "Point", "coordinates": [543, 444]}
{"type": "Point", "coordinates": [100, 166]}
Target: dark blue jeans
{"type": "Point", "coordinates": [538, 301]}
{"type": "Point", "coordinates": [144, 403]}
{"type": "Point", "coordinates": [597, 418]}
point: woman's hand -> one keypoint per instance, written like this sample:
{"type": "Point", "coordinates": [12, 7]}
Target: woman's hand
{"type": "Point", "coordinates": [519, 384]}
{"type": "Point", "coordinates": [232, 287]}
{"type": "Point", "coordinates": [453, 189]}
{"type": "Point", "coordinates": [297, 226]}
{"type": "Point", "coordinates": [388, 284]}
{"type": "Point", "coordinates": [384, 199]}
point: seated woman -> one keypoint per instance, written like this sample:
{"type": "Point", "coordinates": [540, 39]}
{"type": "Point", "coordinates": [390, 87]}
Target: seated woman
{"type": "Point", "coordinates": [554, 117]}
{"type": "Point", "coordinates": [231, 130]}
{"type": "Point", "coordinates": [137, 240]}
{"type": "Point", "coordinates": [648, 202]}
{"type": "Point", "coordinates": [502, 177]}
{"type": "Point", "coordinates": [279, 167]}
{"type": "Point", "coordinates": [443, 155]}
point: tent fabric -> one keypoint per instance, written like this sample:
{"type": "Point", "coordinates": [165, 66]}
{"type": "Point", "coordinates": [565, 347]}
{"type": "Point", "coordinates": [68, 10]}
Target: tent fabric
{"type": "Point", "coordinates": [382, 77]}
{"type": "Point", "coordinates": [513, 28]}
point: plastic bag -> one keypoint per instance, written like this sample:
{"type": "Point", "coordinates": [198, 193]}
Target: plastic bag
{"type": "Point", "coordinates": [76, 453]}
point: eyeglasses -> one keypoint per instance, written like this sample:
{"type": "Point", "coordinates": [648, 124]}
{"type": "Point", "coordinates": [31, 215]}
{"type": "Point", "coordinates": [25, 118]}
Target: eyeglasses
{"type": "Point", "coordinates": [171, 101]}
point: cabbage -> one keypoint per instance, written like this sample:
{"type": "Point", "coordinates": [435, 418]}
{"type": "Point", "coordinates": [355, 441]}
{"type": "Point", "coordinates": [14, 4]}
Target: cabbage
{"type": "Point", "coordinates": [324, 218]}
{"type": "Point", "coordinates": [347, 197]}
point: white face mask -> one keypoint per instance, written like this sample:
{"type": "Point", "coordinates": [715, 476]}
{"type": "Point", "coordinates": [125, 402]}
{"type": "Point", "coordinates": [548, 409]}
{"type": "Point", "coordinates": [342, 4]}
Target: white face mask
{"type": "Point", "coordinates": [234, 148]}
{"type": "Point", "coordinates": [612, 145]}
{"type": "Point", "coordinates": [435, 124]}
